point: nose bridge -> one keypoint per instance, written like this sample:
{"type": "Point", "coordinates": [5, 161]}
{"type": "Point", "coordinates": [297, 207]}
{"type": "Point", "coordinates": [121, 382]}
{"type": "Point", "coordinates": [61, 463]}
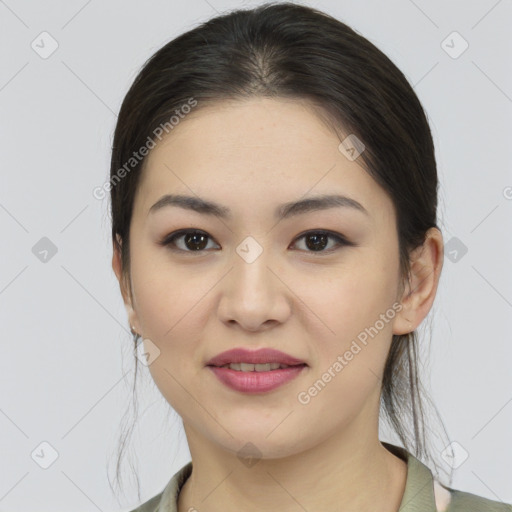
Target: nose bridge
{"type": "Point", "coordinates": [251, 263]}
{"type": "Point", "coordinates": [252, 295]}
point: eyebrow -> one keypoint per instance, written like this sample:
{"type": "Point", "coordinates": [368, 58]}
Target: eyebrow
{"type": "Point", "coordinates": [283, 211]}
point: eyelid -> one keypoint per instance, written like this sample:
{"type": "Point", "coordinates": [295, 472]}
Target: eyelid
{"type": "Point", "coordinates": [341, 240]}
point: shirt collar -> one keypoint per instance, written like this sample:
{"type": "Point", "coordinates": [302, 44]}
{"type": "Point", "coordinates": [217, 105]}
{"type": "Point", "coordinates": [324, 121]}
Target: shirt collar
{"type": "Point", "coordinates": [419, 488]}
{"type": "Point", "coordinates": [418, 495]}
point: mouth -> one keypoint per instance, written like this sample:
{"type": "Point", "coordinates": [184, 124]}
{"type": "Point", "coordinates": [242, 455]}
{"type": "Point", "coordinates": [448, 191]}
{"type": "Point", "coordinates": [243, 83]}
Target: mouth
{"type": "Point", "coordinates": [256, 378]}
{"type": "Point", "coordinates": [261, 360]}
{"type": "Point", "coordinates": [262, 367]}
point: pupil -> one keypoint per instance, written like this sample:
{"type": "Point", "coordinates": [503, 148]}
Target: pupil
{"type": "Point", "coordinates": [315, 245]}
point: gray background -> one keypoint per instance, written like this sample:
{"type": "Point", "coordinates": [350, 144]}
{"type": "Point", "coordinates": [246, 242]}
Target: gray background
{"type": "Point", "coordinates": [65, 367]}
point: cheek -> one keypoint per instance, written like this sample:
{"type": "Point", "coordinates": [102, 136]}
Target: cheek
{"type": "Point", "coordinates": [166, 296]}
{"type": "Point", "coordinates": [173, 306]}
{"type": "Point", "coordinates": [357, 322]}
{"type": "Point", "coordinates": [353, 300]}
{"type": "Point", "coordinates": [168, 306]}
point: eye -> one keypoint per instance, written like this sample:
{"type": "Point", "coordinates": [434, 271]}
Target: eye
{"type": "Point", "coordinates": [318, 240]}
{"type": "Point", "coordinates": [194, 240]}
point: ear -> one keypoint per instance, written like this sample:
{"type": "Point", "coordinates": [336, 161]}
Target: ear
{"type": "Point", "coordinates": [124, 285]}
{"type": "Point", "coordinates": [421, 288]}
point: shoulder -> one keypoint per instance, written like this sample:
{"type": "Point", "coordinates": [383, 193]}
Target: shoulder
{"type": "Point", "coordinates": [150, 505]}
{"type": "Point", "coordinates": [467, 502]}
{"type": "Point", "coordinates": [454, 500]}
{"type": "Point", "coordinates": [167, 500]}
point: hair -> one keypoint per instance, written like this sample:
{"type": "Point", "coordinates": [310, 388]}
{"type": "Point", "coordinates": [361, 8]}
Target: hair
{"type": "Point", "coordinates": [290, 51]}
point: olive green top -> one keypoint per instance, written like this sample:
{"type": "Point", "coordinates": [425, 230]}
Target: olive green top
{"type": "Point", "coordinates": [423, 493]}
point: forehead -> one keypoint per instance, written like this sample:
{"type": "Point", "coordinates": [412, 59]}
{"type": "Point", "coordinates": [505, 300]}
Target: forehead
{"type": "Point", "coordinates": [253, 152]}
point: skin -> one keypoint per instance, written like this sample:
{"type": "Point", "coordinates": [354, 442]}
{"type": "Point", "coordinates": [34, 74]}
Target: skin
{"type": "Point", "coordinates": [252, 156]}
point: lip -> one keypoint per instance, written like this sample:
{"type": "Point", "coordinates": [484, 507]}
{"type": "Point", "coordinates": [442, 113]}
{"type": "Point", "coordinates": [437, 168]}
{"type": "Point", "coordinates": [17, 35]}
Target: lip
{"type": "Point", "coordinates": [260, 356]}
{"type": "Point", "coordinates": [256, 382]}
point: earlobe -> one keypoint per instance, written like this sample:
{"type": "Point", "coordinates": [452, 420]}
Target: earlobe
{"type": "Point", "coordinates": [420, 291]}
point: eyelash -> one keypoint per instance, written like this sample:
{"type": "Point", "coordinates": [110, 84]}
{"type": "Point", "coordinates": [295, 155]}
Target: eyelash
{"type": "Point", "coordinates": [169, 240]}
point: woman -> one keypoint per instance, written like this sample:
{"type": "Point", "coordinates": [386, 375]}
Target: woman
{"type": "Point", "coordinates": [274, 200]}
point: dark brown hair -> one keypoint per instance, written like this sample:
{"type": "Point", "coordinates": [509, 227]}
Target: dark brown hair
{"type": "Point", "coordinates": [291, 51]}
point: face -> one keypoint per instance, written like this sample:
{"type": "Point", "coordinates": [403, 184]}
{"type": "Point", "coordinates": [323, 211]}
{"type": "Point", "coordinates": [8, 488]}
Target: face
{"type": "Point", "coordinates": [252, 279]}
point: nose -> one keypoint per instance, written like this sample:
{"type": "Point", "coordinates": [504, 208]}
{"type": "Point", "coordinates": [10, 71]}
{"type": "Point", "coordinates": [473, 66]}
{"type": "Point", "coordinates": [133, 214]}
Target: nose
{"type": "Point", "coordinates": [254, 295]}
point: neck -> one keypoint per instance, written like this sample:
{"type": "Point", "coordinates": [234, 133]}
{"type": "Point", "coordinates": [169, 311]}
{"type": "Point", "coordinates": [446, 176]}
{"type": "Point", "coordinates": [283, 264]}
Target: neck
{"type": "Point", "coordinates": [347, 471]}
